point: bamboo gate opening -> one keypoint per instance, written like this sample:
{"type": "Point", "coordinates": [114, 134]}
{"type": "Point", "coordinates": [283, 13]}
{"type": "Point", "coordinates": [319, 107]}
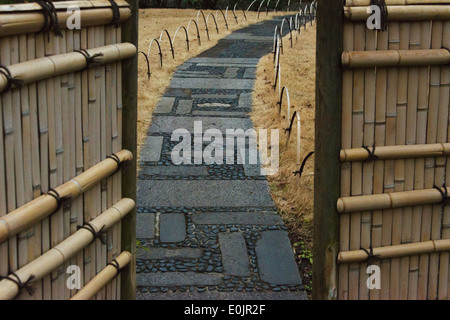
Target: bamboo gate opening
{"type": "Point", "coordinates": [388, 170]}
{"type": "Point", "coordinates": [65, 151]}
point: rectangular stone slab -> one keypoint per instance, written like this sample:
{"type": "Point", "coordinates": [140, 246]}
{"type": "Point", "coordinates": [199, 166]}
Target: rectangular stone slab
{"type": "Point", "coordinates": [170, 123]}
{"type": "Point", "coordinates": [196, 193]}
{"type": "Point", "coordinates": [276, 259]}
{"type": "Point", "coordinates": [165, 253]}
{"type": "Point", "coordinates": [172, 227]}
{"type": "Point", "coordinates": [178, 279]}
{"type": "Point", "coordinates": [145, 225]}
{"type": "Point", "coordinates": [151, 151]}
{"type": "Point", "coordinates": [211, 83]}
{"type": "Point", "coordinates": [175, 170]}
{"type": "Point", "coordinates": [234, 254]}
{"type": "Point", "coordinates": [242, 218]}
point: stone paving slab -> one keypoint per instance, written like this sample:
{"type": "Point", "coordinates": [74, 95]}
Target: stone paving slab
{"type": "Point", "coordinates": [218, 113]}
{"type": "Point", "coordinates": [214, 96]}
{"type": "Point", "coordinates": [165, 105]}
{"type": "Point", "coordinates": [197, 193]}
{"type": "Point", "coordinates": [213, 83]}
{"type": "Point", "coordinates": [145, 225]}
{"type": "Point", "coordinates": [178, 279]}
{"type": "Point", "coordinates": [166, 253]}
{"type": "Point", "coordinates": [184, 106]}
{"type": "Point", "coordinates": [242, 218]}
{"type": "Point", "coordinates": [276, 259]}
{"type": "Point", "coordinates": [172, 227]}
{"type": "Point", "coordinates": [175, 170]}
{"type": "Point", "coordinates": [151, 151]}
{"type": "Point", "coordinates": [170, 123]}
{"type": "Point", "coordinates": [245, 100]}
{"type": "Point", "coordinates": [229, 61]}
{"type": "Point", "coordinates": [234, 254]}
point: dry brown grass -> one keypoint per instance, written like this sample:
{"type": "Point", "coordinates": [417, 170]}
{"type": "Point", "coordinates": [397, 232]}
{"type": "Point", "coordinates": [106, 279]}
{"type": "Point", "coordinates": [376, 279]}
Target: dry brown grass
{"type": "Point", "coordinates": [292, 195]}
{"type": "Point", "coordinates": [151, 23]}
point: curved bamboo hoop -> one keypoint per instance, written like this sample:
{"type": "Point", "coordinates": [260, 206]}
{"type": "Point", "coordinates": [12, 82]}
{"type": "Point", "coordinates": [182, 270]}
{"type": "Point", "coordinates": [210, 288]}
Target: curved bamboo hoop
{"type": "Point", "coordinates": [396, 152]}
{"type": "Point", "coordinates": [198, 30]}
{"type": "Point", "coordinates": [52, 259]}
{"type": "Point", "coordinates": [267, 8]}
{"type": "Point", "coordinates": [297, 22]}
{"type": "Point", "coordinates": [289, 6]}
{"type": "Point", "coordinates": [160, 52]}
{"type": "Point", "coordinates": [307, 14]}
{"type": "Point", "coordinates": [277, 40]}
{"type": "Point", "coordinates": [186, 34]}
{"type": "Point", "coordinates": [395, 58]}
{"type": "Point", "coordinates": [60, 64]}
{"type": "Point", "coordinates": [248, 8]}
{"type": "Point", "coordinates": [259, 9]}
{"type": "Point", "coordinates": [389, 200]}
{"type": "Point", "coordinates": [224, 17]}
{"type": "Point", "coordinates": [215, 21]}
{"type": "Point", "coordinates": [290, 30]}
{"type": "Point", "coordinates": [280, 102]}
{"type": "Point", "coordinates": [300, 171]}
{"type": "Point", "coordinates": [103, 277]}
{"type": "Point", "coordinates": [303, 18]}
{"type": "Point", "coordinates": [148, 64]}
{"type": "Point", "coordinates": [204, 20]}
{"type": "Point", "coordinates": [276, 6]}
{"type": "Point", "coordinates": [170, 41]}
{"type": "Point", "coordinates": [33, 22]}
{"type": "Point", "coordinates": [395, 251]}
{"type": "Point", "coordinates": [43, 206]}
{"type": "Point", "coordinates": [296, 116]}
{"type": "Point", "coordinates": [234, 14]}
{"type": "Point", "coordinates": [277, 75]}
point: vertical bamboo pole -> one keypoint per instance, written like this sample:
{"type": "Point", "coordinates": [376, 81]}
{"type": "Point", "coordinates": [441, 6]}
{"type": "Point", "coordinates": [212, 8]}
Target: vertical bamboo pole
{"type": "Point", "coordinates": [327, 168]}
{"type": "Point", "coordinates": [399, 164]}
{"type": "Point", "coordinates": [129, 103]}
{"type": "Point", "coordinates": [34, 244]}
{"type": "Point", "coordinates": [367, 133]}
{"type": "Point", "coordinates": [357, 142]}
{"type": "Point", "coordinates": [389, 165]}
{"type": "Point", "coordinates": [443, 288]}
{"type": "Point", "coordinates": [346, 139]}
{"type": "Point", "coordinates": [380, 140]}
{"type": "Point", "coordinates": [441, 136]}
{"type": "Point", "coordinates": [44, 157]}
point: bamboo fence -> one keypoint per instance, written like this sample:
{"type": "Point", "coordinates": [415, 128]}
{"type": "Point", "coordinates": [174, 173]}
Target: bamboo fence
{"type": "Point", "coordinates": [61, 145]}
{"type": "Point", "coordinates": [394, 155]}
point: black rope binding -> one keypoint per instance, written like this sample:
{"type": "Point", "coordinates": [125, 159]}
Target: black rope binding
{"type": "Point", "coordinates": [372, 156]}
{"type": "Point", "coordinates": [116, 265]}
{"type": "Point", "coordinates": [10, 80]}
{"type": "Point", "coordinates": [116, 14]}
{"type": "Point", "coordinates": [60, 200]}
{"type": "Point", "coordinates": [50, 18]}
{"type": "Point", "coordinates": [370, 255]}
{"type": "Point", "coordinates": [120, 164]}
{"type": "Point", "coordinates": [101, 234]}
{"type": "Point", "coordinates": [90, 59]}
{"type": "Point", "coordinates": [384, 12]}
{"type": "Point", "coordinates": [445, 199]}
{"type": "Point", "coordinates": [21, 285]}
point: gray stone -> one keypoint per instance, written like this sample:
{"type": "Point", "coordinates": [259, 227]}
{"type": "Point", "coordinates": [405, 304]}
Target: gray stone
{"type": "Point", "coordinates": [226, 65]}
{"type": "Point", "coordinates": [229, 61]}
{"type": "Point", "coordinates": [151, 151]}
{"type": "Point", "coordinates": [185, 66]}
{"type": "Point", "coordinates": [170, 123]}
{"type": "Point", "coordinates": [214, 96]}
{"type": "Point", "coordinates": [245, 100]}
{"type": "Point", "coordinates": [172, 226]}
{"type": "Point", "coordinates": [213, 105]}
{"type": "Point", "coordinates": [234, 254]}
{"type": "Point", "coordinates": [184, 106]}
{"type": "Point", "coordinates": [164, 253]}
{"type": "Point", "coordinates": [218, 113]}
{"type": "Point", "coordinates": [242, 218]}
{"type": "Point", "coordinates": [177, 279]}
{"type": "Point", "coordinates": [276, 259]}
{"type": "Point", "coordinates": [196, 193]}
{"type": "Point", "coordinates": [250, 73]}
{"type": "Point", "coordinates": [231, 73]}
{"type": "Point", "coordinates": [206, 83]}
{"type": "Point", "coordinates": [175, 170]}
{"type": "Point", "coordinates": [165, 105]}
{"type": "Point", "coordinates": [145, 225]}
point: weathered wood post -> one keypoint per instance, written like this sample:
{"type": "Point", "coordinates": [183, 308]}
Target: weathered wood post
{"type": "Point", "coordinates": [129, 131]}
{"type": "Point", "coordinates": [330, 21]}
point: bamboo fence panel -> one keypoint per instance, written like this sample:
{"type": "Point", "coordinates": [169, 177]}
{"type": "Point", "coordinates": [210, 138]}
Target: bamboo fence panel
{"type": "Point", "coordinates": [68, 121]}
{"type": "Point", "coordinates": [400, 106]}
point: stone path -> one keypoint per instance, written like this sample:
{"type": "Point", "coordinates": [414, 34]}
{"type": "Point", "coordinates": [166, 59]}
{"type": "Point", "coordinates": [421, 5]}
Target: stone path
{"type": "Point", "coordinates": [211, 231]}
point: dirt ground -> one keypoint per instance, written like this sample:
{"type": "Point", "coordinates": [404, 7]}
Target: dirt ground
{"type": "Point", "coordinates": [293, 195]}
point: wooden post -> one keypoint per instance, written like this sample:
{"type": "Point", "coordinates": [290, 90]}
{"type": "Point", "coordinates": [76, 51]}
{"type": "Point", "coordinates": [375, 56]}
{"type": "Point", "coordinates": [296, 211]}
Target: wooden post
{"type": "Point", "coordinates": [330, 22]}
{"type": "Point", "coordinates": [129, 131]}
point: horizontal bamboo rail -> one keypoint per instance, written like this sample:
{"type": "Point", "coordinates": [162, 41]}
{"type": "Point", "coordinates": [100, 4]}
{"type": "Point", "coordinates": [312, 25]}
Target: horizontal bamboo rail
{"type": "Point", "coordinates": [103, 278]}
{"type": "Point", "coordinates": [395, 58]}
{"type": "Point", "coordinates": [402, 13]}
{"type": "Point", "coordinates": [366, 3]}
{"type": "Point", "coordinates": [396, 152]}
{"type": "Point", "coordinates": [395, 251]}
{"type": "Point", "coordinates": [55, 257]}
{"type": "Point", "coordinates": [30, 22]}
{"type": "Point", "coordinates": [56, 65]}
{"type": "Point", "coordinates": [389, 200]}
{"type": "Point", "coordinates": [60, 5]}
{"type": "Point", "coordinates": [36, 210]}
